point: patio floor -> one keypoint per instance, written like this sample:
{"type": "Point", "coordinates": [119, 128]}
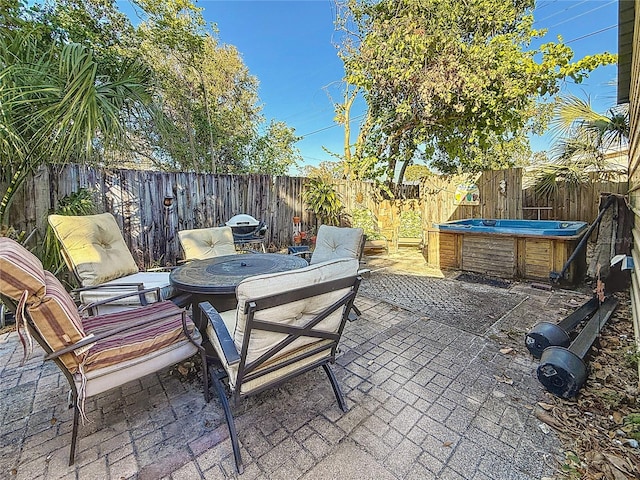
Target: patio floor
{"type": "Point", "coordinates": [430, 394]}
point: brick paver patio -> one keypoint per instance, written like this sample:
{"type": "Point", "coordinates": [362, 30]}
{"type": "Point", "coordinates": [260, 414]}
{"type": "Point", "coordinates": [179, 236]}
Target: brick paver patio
{"type": "Point", "coordinates": [429, 397]}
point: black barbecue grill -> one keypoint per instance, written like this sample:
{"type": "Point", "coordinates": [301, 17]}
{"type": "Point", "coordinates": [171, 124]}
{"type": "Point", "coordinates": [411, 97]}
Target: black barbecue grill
{"type": "Point", "coordinates": [247, 229]}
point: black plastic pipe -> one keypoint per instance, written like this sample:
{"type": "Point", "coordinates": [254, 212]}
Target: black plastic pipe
{"type": "Point", "coordinates": [555, 276]}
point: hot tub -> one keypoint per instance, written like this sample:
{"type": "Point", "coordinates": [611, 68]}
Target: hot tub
{"type": "Point", "coordinates": [529, 249]}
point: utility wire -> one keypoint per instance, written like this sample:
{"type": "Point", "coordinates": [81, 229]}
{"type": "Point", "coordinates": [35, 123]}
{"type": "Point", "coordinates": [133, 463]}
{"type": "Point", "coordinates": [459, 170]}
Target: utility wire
{"type": "Point", "coordinates": [573, 5]}
{"type": "Point", "coordinates": [358, 117]}
{"type": "Point", "coordinates": [592, 34]}
{"type": "Point", "coordinates": [582, 14]}
{"type": "Point", "coordinates": [548, 4]}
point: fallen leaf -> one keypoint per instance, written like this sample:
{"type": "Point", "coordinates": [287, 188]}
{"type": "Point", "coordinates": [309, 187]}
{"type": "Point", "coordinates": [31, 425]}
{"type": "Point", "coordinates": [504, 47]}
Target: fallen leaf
{"type": "Point", "coordinates": [183, 371]}
{"type": "Point", "coordinates": [546, 406]}
{"type": "Point", "coordinates": [53, 421]}
{"type": "Point", "coordinates": [548, 419]}
{"type": "Point", "coordinates": [447, 444]}
{"type": "Point", "coordinates": [506, 350]}
{"type": "Point", "coordinates": [617, 417]}
{"type": "Point", "coordinates": [617, 462]}
{"type": "Point", "coordinates": [504, 379]}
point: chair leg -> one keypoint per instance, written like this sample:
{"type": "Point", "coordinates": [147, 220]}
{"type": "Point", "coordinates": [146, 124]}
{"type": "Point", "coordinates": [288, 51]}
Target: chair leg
{"type": "Point", "coordinates": [336, 388]}
{"type": "Point", "coordinates": [74, 432]}
{"type": "Point", "coordinates": [217, 381]}
{"type": "Point", "coordinates": [354, 313]}
{"type": "Point", "coordinates": [205, 375]}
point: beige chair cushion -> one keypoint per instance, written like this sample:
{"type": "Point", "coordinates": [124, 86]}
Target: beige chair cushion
{"type": "Point", "coordinates": [93, 247]}
{"type": "Point", "coordinates": [296, 313]}
{"type": "Point", "coordinates": [336, 242]}
{"type": "Point", "coordinates": [147, 279]}
{"type": "Point", "coordinates": [207, 242]}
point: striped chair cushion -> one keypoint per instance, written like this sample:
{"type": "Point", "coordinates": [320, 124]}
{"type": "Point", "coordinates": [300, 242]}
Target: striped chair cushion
{"type": "Point", "coordinates": [58, 321]}
{"type": "Point", "coordinates": [134, 343]}
{"type": "Point", "coordinates": [21, 271]}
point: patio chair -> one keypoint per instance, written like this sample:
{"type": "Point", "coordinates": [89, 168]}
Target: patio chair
{"type": "Point", "coordinates": [285, 324]}
{"type": "Point", "coordinates": [339, 242]}
{"type": "Point", "coordinates": [94, 250]}
{"type": "Point", "coordinates": [202, 243]}
{"type": "Point", "coordinates": [98, 353]}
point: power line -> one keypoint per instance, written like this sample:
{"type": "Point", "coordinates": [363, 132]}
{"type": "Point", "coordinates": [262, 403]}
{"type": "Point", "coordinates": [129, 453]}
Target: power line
{"type": "Point", "coordinates": [561, 11]}
{"type": "Point", "coordinates": [332, 126]}
{"type": "Point", "coordinates": [548, 4]}
{"type": "Point", "coordinates": [592, 33]}
{"type": "Point", "coordinates": [581, 15]}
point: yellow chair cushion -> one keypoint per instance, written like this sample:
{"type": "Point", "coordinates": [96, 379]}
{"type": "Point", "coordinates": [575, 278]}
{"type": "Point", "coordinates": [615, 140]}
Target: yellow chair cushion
{"type": "Point", "coordinates": [93, 247]}
{"type": "Point", "coordinates": [207, 242]}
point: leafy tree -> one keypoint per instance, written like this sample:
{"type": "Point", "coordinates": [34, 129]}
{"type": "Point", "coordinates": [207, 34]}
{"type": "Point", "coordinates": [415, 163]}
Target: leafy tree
{"type": "Point", "coordinates": [455, 80]}
{"type": "Point", "coordinates": [326, 171]}
{"type": "Point", "coordinates": [207, 113]}
{"type": "Point", "coordinates": [417, 172]}
{"type": "Point", "coordinates": [274, 152]}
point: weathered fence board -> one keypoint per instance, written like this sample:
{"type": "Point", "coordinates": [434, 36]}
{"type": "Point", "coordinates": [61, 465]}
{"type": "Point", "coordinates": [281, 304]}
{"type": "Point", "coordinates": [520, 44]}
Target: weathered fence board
{"type": "Point", "coordinates": [137, 200]}
{"type": "Point", "coordinates": [570, 203]}
{"type": "Point", "coordinates": [500, 197]}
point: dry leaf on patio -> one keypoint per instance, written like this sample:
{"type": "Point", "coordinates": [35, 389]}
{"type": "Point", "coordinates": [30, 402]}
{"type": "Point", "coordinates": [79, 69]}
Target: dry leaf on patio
{"type": "Point", "coordinates": [504, 379]}
{"type": "Point", "coordinates": [619, 463]}
{"type": "Point", "coordinates": [183, 371]}
{"type": "Point", "coordinates": [506, 350]}
{"type": "Point", "coordinates": [447, 444]}
{"type": "Point", "coordinates": [548, 419]}
{"type": "Point", "coordinates": [617, 417]}
{"type": "Point", "coordinates": [546, 406]}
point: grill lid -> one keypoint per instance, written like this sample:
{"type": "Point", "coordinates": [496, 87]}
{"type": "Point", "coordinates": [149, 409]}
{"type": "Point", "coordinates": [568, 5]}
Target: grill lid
{"type": "Point", "coordinates": [242, 220]}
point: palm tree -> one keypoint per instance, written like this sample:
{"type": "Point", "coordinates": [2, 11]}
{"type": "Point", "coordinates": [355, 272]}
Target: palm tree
{"type": "Point", "coordinates": [56, 108]}
{"type": "Point", "coordinates": [584, 138]}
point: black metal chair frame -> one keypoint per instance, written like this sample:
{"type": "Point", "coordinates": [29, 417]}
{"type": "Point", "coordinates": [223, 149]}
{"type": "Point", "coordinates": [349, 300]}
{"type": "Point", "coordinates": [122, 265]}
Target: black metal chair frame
{"type": "Point", "coordinates": [251, 371]}
{"type": "Point", "coordinates": [55, 356]}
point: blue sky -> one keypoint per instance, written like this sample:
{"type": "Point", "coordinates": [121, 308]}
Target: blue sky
{"type": "Point", "coordinates": [288, 46]}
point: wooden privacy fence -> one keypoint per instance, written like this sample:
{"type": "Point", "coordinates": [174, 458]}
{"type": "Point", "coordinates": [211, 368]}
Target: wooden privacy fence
{"type": "Point", "coordinates": [570, 203]}
{"type": "Point", "coordinates": [500, 195]}
{"type": "Point", "coordinates": [137, 200]}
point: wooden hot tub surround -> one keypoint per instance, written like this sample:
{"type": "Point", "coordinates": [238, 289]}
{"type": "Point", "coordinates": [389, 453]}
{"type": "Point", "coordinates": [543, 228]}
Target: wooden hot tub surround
{"type": "Point", "coordinates": [508, 252]}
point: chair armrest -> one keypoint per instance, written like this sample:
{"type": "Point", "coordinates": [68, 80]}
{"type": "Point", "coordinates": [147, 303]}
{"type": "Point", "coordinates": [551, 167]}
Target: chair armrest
{"type": "Point", "coordinates": [109, 333]}
{"type": "Point", "coordinates": [229, 350]}
{"type": "Point", "coordinates": [161, 269]}
{"type": "Point", "coordinates": [140, 293]}
{"type": "Point", "coordinates": [107, 286]}
{"type": "Point", "coordinates": [187, 334]}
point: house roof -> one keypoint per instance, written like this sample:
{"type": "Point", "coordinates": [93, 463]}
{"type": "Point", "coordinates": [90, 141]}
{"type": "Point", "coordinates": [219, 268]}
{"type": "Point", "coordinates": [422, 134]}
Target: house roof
{"type": "Point", "coordinates": [626, 20]}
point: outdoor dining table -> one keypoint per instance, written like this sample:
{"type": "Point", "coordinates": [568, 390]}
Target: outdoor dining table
{"type": "Point", "coordinates": [214, 280]}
